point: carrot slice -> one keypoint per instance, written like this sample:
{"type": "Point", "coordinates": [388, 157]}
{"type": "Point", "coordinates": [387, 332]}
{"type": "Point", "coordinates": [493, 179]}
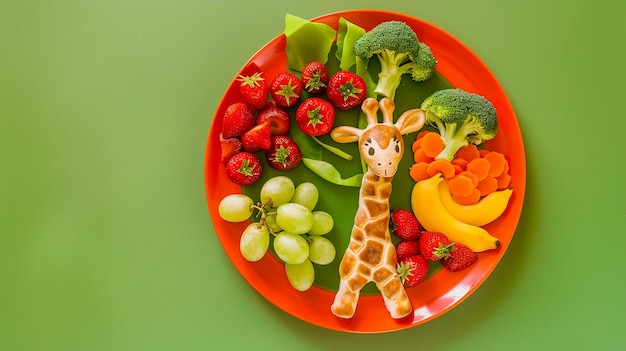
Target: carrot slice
{"type": "Point", "coordinates": [461, 185]}
{"type": "Point", "coordinates": [420, 156]}
{"type": "Point", "coordinates": [457, 169]}
{"type": "Point", "coordinates": [487, 186]}
{"type": "Point", "coordinates": [497, 162]}
{"type": "Point", "coordinates": [504, 180]}
{"type": "Point", "coordinates": [432, 144]}
{"type": "Point", "coordinates": [422, 133]}
{"type": "Point", "coordinates": [472, 176]}
{"type": "Point", "coordinates": [483, 152]}
{"type": "Point", "coordinates": [416, 144]}
{"type": "Point", "coordinates": [468, 152]}
{"type": "Point", "coordinates": [418, 140]}
{"type": "Point", "coordinates": [441, 166]}
{"type": "Point", "coordinates": [480, 167]}
{"type": "Point", "coordinates": [461, 162]}
{"type": "Point", "coordinates": [418, 171]}
{"type": "Point", "coordinates": [473, 198]}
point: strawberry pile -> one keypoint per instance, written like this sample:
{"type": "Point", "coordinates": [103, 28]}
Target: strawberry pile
{"type": "Point", "coordinates": [418, 247]}
{"type": "Point", "coordinates": [260, 121]}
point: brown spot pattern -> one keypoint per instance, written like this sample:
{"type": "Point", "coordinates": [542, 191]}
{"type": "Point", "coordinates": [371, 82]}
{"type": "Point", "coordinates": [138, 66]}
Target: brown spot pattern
{"type": "Point", "coordinates": [371, 254]}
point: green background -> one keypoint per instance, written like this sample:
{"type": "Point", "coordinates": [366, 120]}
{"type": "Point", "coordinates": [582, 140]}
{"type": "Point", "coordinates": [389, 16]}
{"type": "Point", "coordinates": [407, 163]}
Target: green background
{"type": "Point", "coordinates": [105, 237]}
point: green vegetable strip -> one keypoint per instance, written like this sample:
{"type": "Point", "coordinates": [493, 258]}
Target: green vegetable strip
{"type": "Point", "coordinates": [334, 150]}
{"type": "Point", "coordinates": [330, 173]}
{"type": "Point", "coordinates": [308, 147]}
{"type": "Point", "coordinates": [300, 48]}
{"type": "Point", "coordinates": [347, 34]}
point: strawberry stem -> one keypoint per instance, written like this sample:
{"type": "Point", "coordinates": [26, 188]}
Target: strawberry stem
{"type": "Point", "coordinates": [443, 251]}
{"type": "Point", "coordinates": [315, 82]}
{"type": "Point", "coordinates": [288, 91]}
{"type": "Point", "coordinates": [403, 271]}
{"type": "Point", "coordinates": [245, 168]}
{"type": "Point", "coordinates": [349, 90]}
{"type": "Point", "coordinates": [281, 156]}
{"type": "Point", "coordinates": [315, 116]}
{"type": "Point", "coordinates": [252, 80]}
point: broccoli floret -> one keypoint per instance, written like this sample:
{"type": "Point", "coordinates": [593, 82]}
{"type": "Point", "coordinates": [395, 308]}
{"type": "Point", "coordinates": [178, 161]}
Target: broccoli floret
{"type": "Point", "coordinates": [399, 52]}
{"type": "Point", "coordinates": [461, 118]}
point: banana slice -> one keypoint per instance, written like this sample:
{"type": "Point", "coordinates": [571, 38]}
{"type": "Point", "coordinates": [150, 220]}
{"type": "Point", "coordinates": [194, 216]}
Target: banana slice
{"type": "Point", "coordinates": [485, 211]}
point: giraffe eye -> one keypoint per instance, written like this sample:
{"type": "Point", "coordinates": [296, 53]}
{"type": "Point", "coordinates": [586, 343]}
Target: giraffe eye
{"type": "Point", "coordinates": [371, 151]}
{"type": "Point", "coordinates": [398, 148]}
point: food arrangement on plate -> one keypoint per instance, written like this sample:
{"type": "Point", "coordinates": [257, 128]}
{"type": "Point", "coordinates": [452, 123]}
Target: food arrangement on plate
{"type": "Point", "coordinates": [361, 168]}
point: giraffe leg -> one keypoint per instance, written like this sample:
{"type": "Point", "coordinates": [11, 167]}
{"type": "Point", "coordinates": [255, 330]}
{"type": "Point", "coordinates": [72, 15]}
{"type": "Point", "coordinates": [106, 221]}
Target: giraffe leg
{"type": "Point", "coordinates": [350, 285]}
{"type": "Point", "coordinates": [346, 300]}
{"type": "Point", "coordinates": [396, 299]}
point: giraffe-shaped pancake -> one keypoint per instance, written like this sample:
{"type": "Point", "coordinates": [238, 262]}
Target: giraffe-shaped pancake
{"type": "Point", "coordinates": [371, 256]}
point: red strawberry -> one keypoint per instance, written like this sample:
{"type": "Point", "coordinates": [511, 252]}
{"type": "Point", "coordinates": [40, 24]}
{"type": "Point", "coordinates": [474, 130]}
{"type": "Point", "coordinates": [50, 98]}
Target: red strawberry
{"type": "Point", "coordinates": [460, 257]}
{"type": "Point", "coordinates": [407, 248]}
{"type": "Point", "coordinates": [230, 147]}
{"type": "Point", "coordinates": [314, 77]}
{"type": "Point", "coordinates": [434, 245]}
{"type": "Point", "coordinates": [412, 270]}
{"type": "Point", "coordinates": [286, 89]}
{"type": "Point", "coordinates": [254, 90]}
{"type": "Point", "coordinates": [283, 154]}
{"type": "Point", "coordinates": [244, 168]}
{"type": "Point", "coordinates": [315, 116]}
{"type": "Point", "coordinates": [258, 138]}
{"type": "Point", "coordinates": [404, 225]}
{"type": "Point", "coordinates": [346, 90]}
{"type": "Point", "coordinates": [278, 118]}
{"type": "Point", "coordinates": [237, 119]}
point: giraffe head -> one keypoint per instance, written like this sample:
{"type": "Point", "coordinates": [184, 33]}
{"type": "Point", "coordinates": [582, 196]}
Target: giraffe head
{"type": "Point", "coordinates": [380, 144]}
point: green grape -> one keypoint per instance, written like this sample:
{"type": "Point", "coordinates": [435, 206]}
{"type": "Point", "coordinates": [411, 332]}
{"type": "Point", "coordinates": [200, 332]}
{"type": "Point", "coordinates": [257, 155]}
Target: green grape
{"type": "Point", "coordinates": [322, 223]}
{"type": "Point", "coordinates": [291, 248]}
{"type": "Point", "coordinates": [278, 189]}
{"type": "Point", "coordinates": [301, 276]}
{"type": "Point", "coordinates": [235, 208]}
{"type": "Point", "coordinates": [321, 250]}
{"type": "Point", "coordinates": [306, 194]}
{"type": "Point", "coordinates": [270, 220]}
{"type": "Point", "coordinates": [294, 218]}
{"type": "Point", "coordinates": [254, 242]}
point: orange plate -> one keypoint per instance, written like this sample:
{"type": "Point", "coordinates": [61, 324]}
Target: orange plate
{"type": "Point", "coordinates": [441, 291]}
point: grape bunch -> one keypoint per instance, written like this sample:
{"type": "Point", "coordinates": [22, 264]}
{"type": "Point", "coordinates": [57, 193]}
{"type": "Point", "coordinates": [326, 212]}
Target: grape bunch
{"type": "Point", "coordinates": [287, 215]}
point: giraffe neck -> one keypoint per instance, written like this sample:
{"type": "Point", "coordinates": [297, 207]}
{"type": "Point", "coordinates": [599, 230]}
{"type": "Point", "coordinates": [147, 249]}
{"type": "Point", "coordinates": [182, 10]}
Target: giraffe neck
{"type": "Point", "coordinates": [372, 218]}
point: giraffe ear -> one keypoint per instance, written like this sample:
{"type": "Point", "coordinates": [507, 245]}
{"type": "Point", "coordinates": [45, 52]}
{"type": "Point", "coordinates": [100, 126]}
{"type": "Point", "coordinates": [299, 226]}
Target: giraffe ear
{"type": "Point", "coordinates": [411, 121]}
{"type": "Point", "coordinates": [345, 134]}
